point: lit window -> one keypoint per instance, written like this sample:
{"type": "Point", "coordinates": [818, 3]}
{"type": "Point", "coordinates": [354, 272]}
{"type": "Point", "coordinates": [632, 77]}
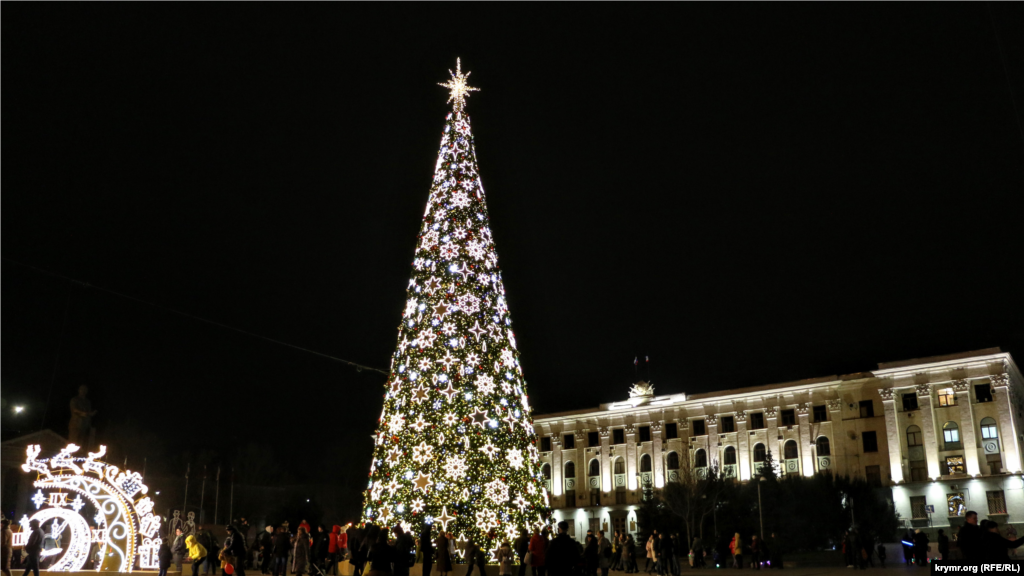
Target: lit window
{"type": "Point", "coordinates": [989, 429]}
{"type": "Point", "coordinates": [955, 465]}
{"type": "Point", "coordinates": [955, 504]}
{"type": "Point", "coordinates": [918, 507]}
{"type": "Point", "coordinates": [996, 502]}
{"type": "Point", "coordinates": [951, 433]}
{"type": "Point", "coordinates": [946, 397]}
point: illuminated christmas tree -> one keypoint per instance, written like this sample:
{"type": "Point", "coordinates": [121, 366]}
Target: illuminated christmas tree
{"type": "Point", "coordinates": [455, 446]}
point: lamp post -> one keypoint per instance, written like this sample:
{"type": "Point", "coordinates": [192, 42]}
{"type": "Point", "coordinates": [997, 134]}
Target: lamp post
{"type": "Point", "coordinates": [760, 514]}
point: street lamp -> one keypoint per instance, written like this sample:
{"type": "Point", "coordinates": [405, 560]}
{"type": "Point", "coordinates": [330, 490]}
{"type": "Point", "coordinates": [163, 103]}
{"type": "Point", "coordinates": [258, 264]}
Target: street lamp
{"type": "Point", "coordinates": [760, 514]}
{"type": "Point", "coordinates": [19, 409]}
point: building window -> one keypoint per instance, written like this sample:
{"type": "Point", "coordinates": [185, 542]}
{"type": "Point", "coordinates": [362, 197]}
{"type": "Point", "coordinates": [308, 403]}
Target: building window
{"type": "Point", "coordinates": [951, 434]}
{"type": "Point", "coordinates": [913, 436]}
{"type": "Point", "coordinates": [996, 502]}
{"type": "Point", "coordinates": [570, 497]}
{"type": "Point", "coordinates": [918, 506]}
{"type": "Point", "coordinates": [873, 474]}
{"type": "Point", "coordinates": [595, 497]}
{"type": "Point", "coordinates": [569, 441]}
{"type": "Point", "coordinates": [867, 409]}
{"type": "Point", "coordinates": [570, 470]}
{"type": "Point", "coordinates": [593, 439]}
{"type": "Point", "coordinates": [545, 444]}
{"type": "Point", "coordinates": [909, 402]}
{"type": "Point", "coordinates": [698, 428]}
{"type": "Point", "coordinates": [983, 392]}
{"type": "Point", "coordinates": [618, 436]}
{"type": "Point", "coordinates": [645, 463]}
{"type": "Point", "coordinates": [995, 463]}
{"type": "Point", "coordinates": [790, 450]}
{"type": "Point", "coordinates": [700, 459]}
{"type": "Point", "coordinates": [546, 471]}
{"type": "Point", "coordinates": [918, 470]}
{"type": "Point", "coordinates": [595, 467]}
{"type": "Point", "coordinates": [645, 433]}
{"type": "Point", "coordinates": [820, 413]}
{"type": "Point", "coordinates": [728, 424]}
{"type": "Point", "coordinates": [988, 429]}
{"type": "Point", "coordinates": [955, 465]}
{"type": "Point", "coordinates": [620, 466]}
{"type": "Point", "coordinates": [730, 455]}
{"type": "Point", "coordinates": [946, 397]}
{"type": "Point", "coordinates": [671, 431]}
{"type": "Point", "coordinates": [757, 421]}
{"type": "Point", "coordinates": [870, 441]}
{"type": "Point", "coordinates": [759, 453]}
{"type": "Point", "coordinates": [955, 504]}
{"type": "Point", "coordinates": [620, 496]}
{"type": "Point", "coordinates": [823, 446]}
{"type": "Point", "coordinates": [672, 462]}
{"type": "Point", "coordinates": [788, 418]}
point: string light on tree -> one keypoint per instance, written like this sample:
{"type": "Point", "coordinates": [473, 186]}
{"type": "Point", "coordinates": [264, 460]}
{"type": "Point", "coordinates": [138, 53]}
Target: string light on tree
{"type": "Point", "coordinates": [455, 408]}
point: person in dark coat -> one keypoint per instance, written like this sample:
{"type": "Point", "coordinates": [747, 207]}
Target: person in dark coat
{"type": "Point", "coordinates": [920, 548]}
{"type": "Point", "coordinates": [300, 551]}
{"type": "Point", "coordinates": [520, 546]}
{"type": "Point", "coordinates": [321, 541]}
{"type": "Point", "coordinates": [590, 559]}
{"type": "Point", "coordinates": [968, 539]}
{"type": "Point", "coordinates": [164, 558]}
{"type": "Point", "coordinates": [562, 555]}
{"type": "Point", "coordinates": [444, 556]}
{"type": "Point", "coordinates": [381, 556]}
{"type": "Point", "coordinates": [266, 546]}
{"type": "Point", "coordinates": [234, 546]}
{"type": "Point", "coordinates": [405, 556]}
{"type": "Point", "coordinates": [427, 549]}
{"type": "Point", "coordinates": [33, 548]}
{"type": "Point", "coordinates": [943, 544]}
{"type": "Point", "coordinates": [908, 547]}
{"type": "Point", "coordinates": [993, 546]}
{"type": "Point", "coordinates": [282, 544]}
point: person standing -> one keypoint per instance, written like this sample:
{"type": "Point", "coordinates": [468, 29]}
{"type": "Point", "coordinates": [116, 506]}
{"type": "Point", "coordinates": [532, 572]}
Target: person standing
{"type": "Point", "coordinates": [281, 545]}
{"type": "Point", "coordinates": [505, 556]}
{"type": "Point", "coordinates": [651, 558]}
{"type": "Point", "coordinates": [234, 546]}
{"type": "Point", "coordinates": [755, 552]}
{"type": "Point", "coordinates": [590, 556]}
{"type": "Point", "coordinates": [697, 549]}
{"type": "Point", "coordinates": [300, 551]}
{"type": "Point", "coordinates": [562, 555]}
{"type": "Point", "coordinates": [444, 557]}
{"type": "Point", "coordinates": [6, 545]}
{"type": "Point", "coordinates": [381, 556]}
{"type": "Point", "coordinates": [335, 543]}
{"type": "Point", "coordinates": [920, 548]}
{"type": "Point", "coordinates": [405, 554]}
{"type": "Point", "coordinates": [427, 549]}
{"type": "Point", "coordinates": [33, 548]}
{"type": "Point", "coordinates": [943, 544]}
{"type": "Point", "coordinates": [164, 558]}
{"type": "Point", "coordinates": [666, 555]}
{"type": "Point", "coordinates": [209, 543]}
{"type": "Point", "coordinates": [178, 548]}
{"type": "Point", "coordinates": [604, 553]}
{"type": "Point", "coordinates": [736, 549]}
{"type": "Point", "coordinates": [266, 546]}
{"type": "Point", "coordinates": [472, 550]}
{"type": "Point", "coordinates": [538, 552]}
{"type": "Point", "coordinates": [968, 539]}
{"type": "Point", "coordinates": [521, 546]}
{"type": "Point", "coordinates": [630, 555]}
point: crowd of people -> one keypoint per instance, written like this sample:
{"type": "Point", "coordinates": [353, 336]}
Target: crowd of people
{"type": "Point", "coordinates": [974, 542]}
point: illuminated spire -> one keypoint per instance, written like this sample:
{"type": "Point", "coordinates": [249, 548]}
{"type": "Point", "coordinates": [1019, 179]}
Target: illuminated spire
{"type": "Point", "coordinates": [458, 89]}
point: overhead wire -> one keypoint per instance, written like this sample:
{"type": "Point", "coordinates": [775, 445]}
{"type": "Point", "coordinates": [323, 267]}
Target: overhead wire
{"type": "Point", "coordinates": [359, 367]}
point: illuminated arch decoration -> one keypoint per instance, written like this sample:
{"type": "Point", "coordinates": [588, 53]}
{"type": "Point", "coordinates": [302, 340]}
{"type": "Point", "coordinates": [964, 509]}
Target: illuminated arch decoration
{"type": "Point", "coordinates": [124, 526]}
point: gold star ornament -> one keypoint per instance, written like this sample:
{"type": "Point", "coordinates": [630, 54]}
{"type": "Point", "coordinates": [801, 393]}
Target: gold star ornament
{"type": "Point", "coordinates": [458, 90]}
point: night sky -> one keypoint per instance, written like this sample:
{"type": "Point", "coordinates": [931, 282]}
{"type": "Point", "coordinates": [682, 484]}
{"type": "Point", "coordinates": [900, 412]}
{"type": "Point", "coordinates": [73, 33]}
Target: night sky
{"type": "Point", "coordinates": [748, 194]}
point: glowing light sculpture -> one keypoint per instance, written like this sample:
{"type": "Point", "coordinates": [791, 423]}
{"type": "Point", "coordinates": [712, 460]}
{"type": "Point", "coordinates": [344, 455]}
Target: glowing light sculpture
{"type": "Point", "coordinates": [455, 446]}
{"type": "Point", "coordinates": [122, 511]}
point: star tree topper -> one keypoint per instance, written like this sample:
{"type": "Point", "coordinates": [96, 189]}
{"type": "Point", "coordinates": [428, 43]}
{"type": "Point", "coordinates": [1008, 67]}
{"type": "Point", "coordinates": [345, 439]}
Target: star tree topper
{"type": "Point", "coordinates": [457, 87]}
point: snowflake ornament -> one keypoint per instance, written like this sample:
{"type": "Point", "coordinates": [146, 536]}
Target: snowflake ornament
{"type": "Point", "coordinates": [515, 458]}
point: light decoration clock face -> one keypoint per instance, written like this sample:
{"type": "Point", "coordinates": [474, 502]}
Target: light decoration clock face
{"type": "Point", "coordinates": [83, 501]}
{"type": "Point", "coordinates": [456, 412]}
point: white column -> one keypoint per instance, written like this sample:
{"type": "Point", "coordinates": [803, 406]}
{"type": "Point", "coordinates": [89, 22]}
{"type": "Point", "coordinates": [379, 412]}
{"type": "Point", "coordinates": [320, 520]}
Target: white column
{"type": "Point", "coordinates": [557, 481]}
{"type": "Point", "coordinates": [837, 441]}
{"type": "Point", "coordinates": [806, 457]}
{"type": "Point", "coordinates": [1008, 436]}
{"type": "Point", "coordinates": [714, 458]}
{"type": "Point", "coordinates": [631, 456]}
{"type": "Point", "coordinates": [771, 414]}
{"type": "Point", "coordinates": [743, 445]}
{"type": "Point", "coordinates": [962, 389]}
{"type": "Point", "coordinates": [892, 435]}
{"type": "Point", "coordinates": [659, 462]}
{"type": "Point", "coordinates": [931, 443]}
{"type": "Point", "coordinates": [606, 460]}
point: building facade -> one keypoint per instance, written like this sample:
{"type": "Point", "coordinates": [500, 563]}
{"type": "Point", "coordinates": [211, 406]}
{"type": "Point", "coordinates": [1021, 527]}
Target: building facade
{"type": "Point", "coordinates": [943, 433]}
